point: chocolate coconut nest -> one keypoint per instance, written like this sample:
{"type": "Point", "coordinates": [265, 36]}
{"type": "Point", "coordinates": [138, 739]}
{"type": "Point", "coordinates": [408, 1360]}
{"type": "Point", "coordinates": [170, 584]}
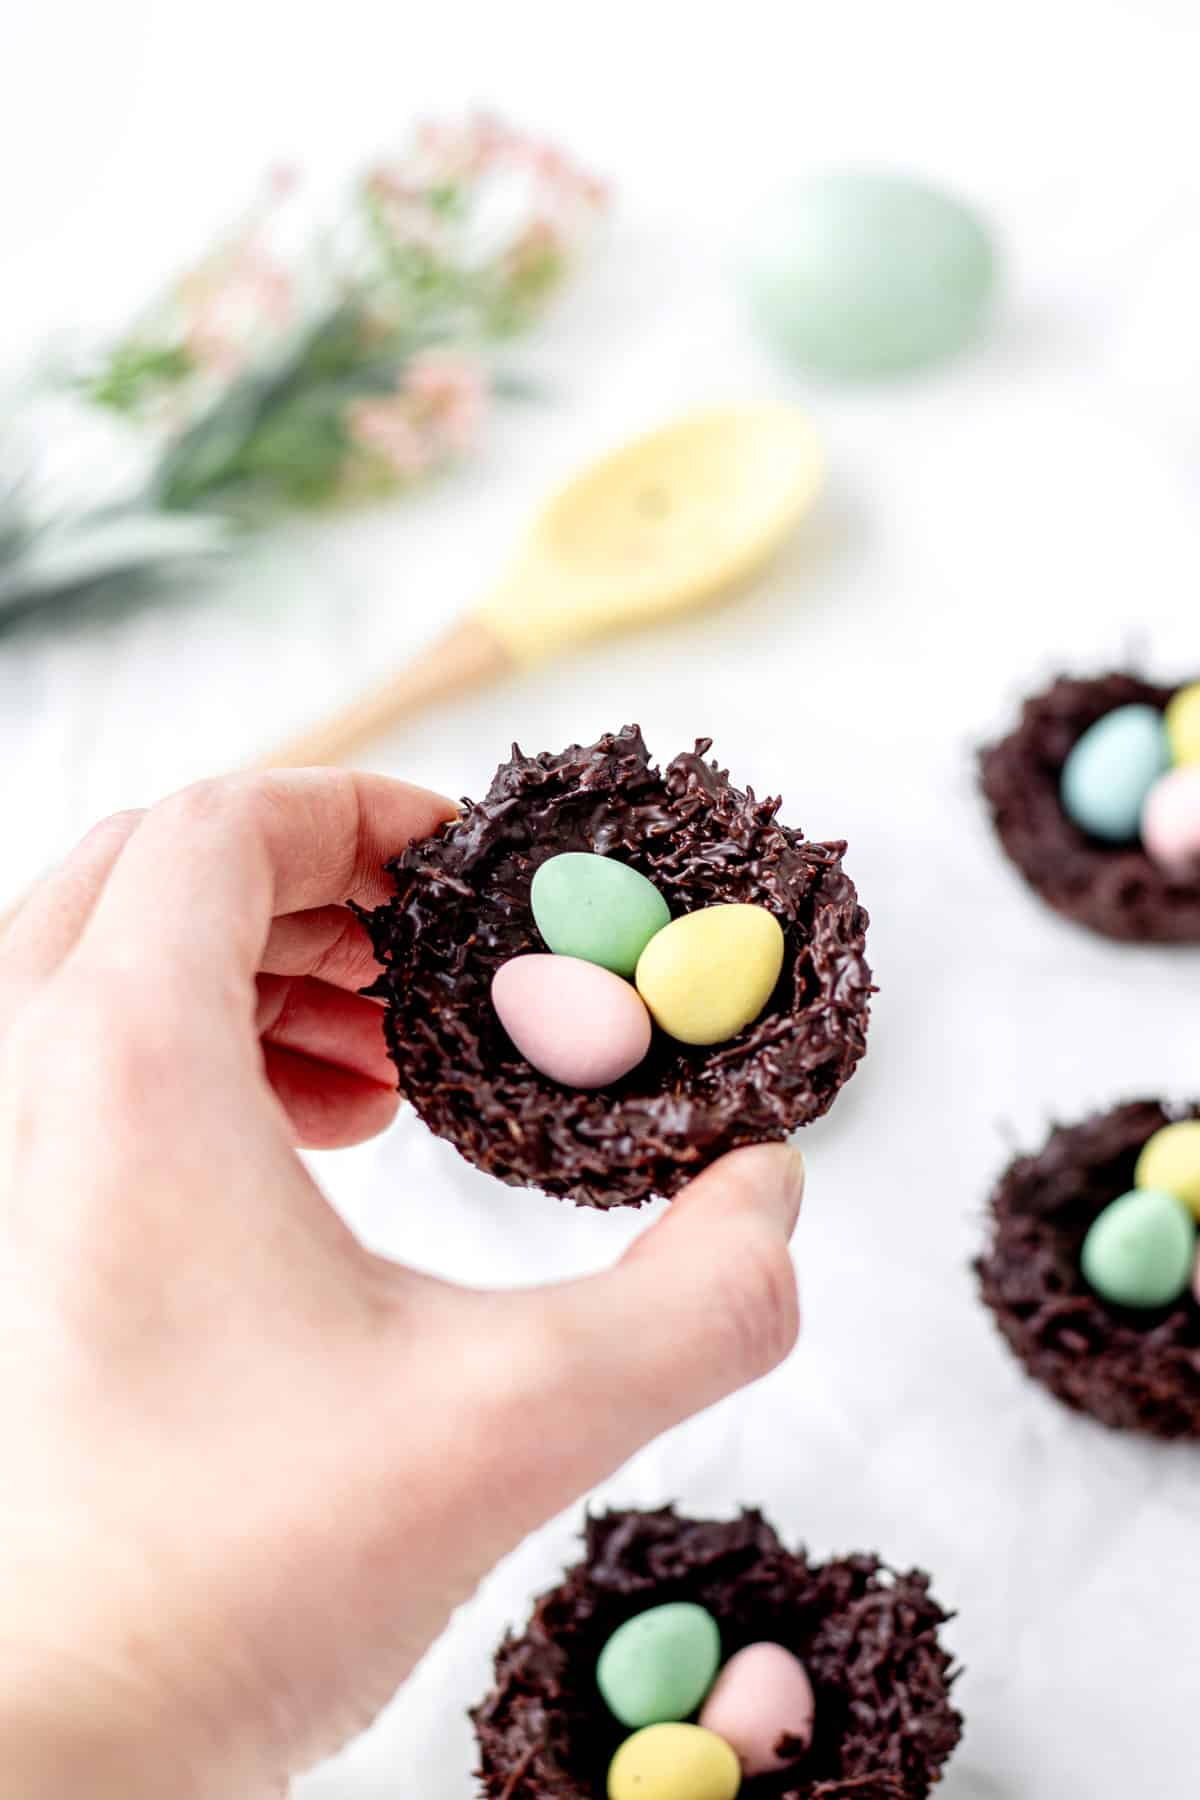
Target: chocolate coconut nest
{"type": "Point", "coordinates": [461, 908]}
{"type": "Point", "coordinates": [867, 1636]}
{"type": "Point", "coordinates": [1138, 1371]}
{"type": "Point", "coordinates": [1114, 889]}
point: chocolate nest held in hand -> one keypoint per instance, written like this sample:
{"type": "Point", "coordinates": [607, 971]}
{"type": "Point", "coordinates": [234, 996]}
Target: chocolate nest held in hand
{"type": "Point", "coordinates": [462, 908]}
{"type": "Point", "coordinates": [1113, 889]}
{"type": "Point", "coordinates": [867, 1636]}
{"type": "Point", "coordinates": [1137, 1371]}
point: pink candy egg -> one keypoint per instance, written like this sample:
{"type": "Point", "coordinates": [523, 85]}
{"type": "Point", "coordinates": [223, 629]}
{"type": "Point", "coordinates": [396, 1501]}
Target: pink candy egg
{"type": "Point", "coordinates": [762, 1696]}
{"type": "Point", "coordinates": [576, 1022]}
{"type": "Point", "coordinates": [1171, 820]}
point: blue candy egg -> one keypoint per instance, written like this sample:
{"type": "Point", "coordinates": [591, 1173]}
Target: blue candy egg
{"type": "Point", "coordinates": [1111, 769]}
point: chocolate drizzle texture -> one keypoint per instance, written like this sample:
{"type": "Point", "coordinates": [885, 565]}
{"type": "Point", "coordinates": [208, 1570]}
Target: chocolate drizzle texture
{"type": "Point", "coordinates": [1114, 889]}
{"type": "Point", "coordinates": [867, 1636]}
{"type": "Point", "coordinates": [461, 908]}
{"type": "Point", "coordinates": [1133, 1370]}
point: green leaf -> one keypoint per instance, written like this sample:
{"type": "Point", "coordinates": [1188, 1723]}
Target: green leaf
{"type": "Point", "coordinates": [136, 372]}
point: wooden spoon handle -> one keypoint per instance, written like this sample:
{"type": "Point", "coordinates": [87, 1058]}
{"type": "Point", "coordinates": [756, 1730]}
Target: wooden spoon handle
{"type": "Point", "coordinates": [465, 657]}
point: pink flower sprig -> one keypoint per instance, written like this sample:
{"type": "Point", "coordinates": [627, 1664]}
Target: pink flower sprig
{"type": "Point", "coordinates": [434, 415]}
{"type": "Point", "coordinates": [500, 210]}
{"type": "Point", "coordinates": [275, 380]}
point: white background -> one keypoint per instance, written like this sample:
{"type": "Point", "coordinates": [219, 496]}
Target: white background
{"type": "Point", "coordinates": [1034, 507]}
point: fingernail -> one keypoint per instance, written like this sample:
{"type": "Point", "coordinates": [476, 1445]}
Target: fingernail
{"type": "Point", "coordinates": [772, 1179]}
{"type": "Point", "coordinates": [789, 1178]}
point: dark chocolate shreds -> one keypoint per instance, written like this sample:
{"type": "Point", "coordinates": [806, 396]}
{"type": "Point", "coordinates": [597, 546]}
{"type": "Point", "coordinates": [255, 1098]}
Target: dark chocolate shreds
{"type": "Point", "coordinates": [1114, 889]}
{"type": "Point", "coordinates": [1135, 1371]}
{"type": "Point", "coordinates": [867, 1635]}
{"type": "Point", "coordinates": [461, 908]}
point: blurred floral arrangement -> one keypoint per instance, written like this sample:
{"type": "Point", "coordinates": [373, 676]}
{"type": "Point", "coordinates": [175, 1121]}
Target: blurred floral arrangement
{"type": "Point", "coordinates": [263, 381]}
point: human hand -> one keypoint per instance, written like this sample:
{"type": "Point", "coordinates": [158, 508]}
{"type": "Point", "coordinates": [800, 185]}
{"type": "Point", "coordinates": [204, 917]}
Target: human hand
{"type": "Point", "coordinates": [249, 1467]}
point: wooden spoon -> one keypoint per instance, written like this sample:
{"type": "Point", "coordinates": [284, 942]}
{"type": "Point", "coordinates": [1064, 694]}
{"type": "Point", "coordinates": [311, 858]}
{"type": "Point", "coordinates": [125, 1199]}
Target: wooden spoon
{"type": "Point", "coordinates": [666, 522]}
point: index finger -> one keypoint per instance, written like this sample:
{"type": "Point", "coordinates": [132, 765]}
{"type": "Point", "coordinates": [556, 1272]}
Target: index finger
{"type": "Point", "coordinates": [191, 899]}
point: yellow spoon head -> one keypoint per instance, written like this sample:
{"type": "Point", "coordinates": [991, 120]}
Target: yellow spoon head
{"type": "Point", "coordinates": [660, 525]}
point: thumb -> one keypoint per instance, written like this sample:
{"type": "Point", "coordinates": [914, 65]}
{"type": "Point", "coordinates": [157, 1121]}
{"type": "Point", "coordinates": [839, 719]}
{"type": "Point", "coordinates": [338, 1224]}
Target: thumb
{"type": "Point", "coordinates": [700, 1305]}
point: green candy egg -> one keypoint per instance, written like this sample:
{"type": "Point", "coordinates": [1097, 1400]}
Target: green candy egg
{"type": "Point", "coordinates": [1140, 1249]}
{"type": "Point", "coordinates": [597, 909]}
{"type": "Point", "coordinates": [657, 1667]}
{"type": "Point", "coordinates": [857, 274]}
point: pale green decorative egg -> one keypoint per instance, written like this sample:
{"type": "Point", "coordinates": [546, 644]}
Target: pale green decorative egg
{"type": "Point", "coordinates": [855, 274]}
{"type": "Point", "coordinates": [596, 908]}
{"type": "Point", "coordinates": [659, 1665]}
{"type": "Point", "coordinates": [1140, 1250]}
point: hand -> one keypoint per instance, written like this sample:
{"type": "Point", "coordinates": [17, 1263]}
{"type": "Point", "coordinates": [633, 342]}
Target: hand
{"type": "Point", "coordinates": [249, 1468]}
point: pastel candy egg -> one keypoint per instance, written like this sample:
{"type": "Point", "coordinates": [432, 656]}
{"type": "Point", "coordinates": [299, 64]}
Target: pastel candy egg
{"type": "Point", "coordinates": [1171, 821]}
{"type": "Point", "coordinates": [1140, 1250]}
{"type": "Point", "coordinates": [709, 973]}
{"type": "Point", "coordinates": [660, 1664]}
{"type": "Point", "coordinates": [575, 1022]}
{"type": "Point", "coordinates": [761, 1698]}
{"type": "Point", "coordinates": [674, 1762]}
{"type": "Point", "coordinates": [856, 273]}
{"type": "Point", "coordinates": [1170, 1161]}
{"type": "Point", "coordinates": [1111, 769]}
{"type": "Point", "coordinates": [596, 908]}
{"type": "Point", "coordinates": [1183, 724]}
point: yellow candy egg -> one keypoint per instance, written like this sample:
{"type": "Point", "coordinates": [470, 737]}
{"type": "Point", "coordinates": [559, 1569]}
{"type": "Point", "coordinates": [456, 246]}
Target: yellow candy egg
{"type": "Point", "coordinates": [708, 974]}
{"type": "Point", "coordinates": [1183, 724]}
{"type": "Point", "coordinates": [1170, 1160]}
{"type": "Point", "coordinates": [674, 1762]}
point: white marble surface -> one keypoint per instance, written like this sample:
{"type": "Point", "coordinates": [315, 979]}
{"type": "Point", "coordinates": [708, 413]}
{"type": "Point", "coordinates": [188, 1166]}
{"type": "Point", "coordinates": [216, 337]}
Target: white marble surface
{"type": "Point", "coordinates": [1032, 507]}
